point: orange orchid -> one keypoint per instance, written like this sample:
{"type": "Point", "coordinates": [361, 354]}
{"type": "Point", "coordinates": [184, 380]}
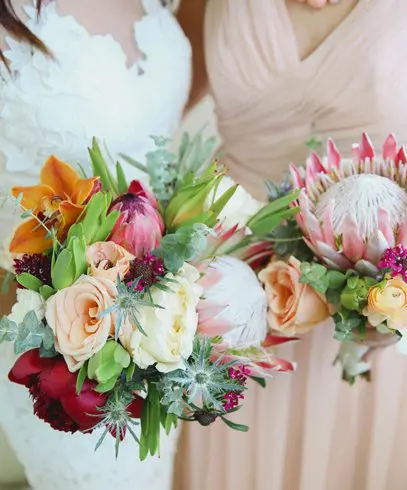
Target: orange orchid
{"type": "Point", "coordinates": [57, 202]}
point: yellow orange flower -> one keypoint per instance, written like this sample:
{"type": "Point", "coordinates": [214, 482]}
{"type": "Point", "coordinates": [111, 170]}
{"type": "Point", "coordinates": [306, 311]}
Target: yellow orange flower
{"type": "Point", "coordinates": [57, 201]}
{"type": "Point", "coordinates": [388, 303]}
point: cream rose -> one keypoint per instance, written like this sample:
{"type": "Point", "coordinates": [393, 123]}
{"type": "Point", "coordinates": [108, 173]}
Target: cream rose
{"type": "Point", "coordinates": [293, 307]}
{"type": "Point", "coordinates": [74, 315]}
{"type": "Point", "coordinates": [108, 260]}
{"type": "Point", "coordinates": [171, 330]}
{"type": "Point", "coordinates": [388, 304]}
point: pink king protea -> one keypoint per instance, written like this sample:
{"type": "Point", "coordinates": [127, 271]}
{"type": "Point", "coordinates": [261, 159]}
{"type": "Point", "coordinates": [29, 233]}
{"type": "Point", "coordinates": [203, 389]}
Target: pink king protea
{"type": "Point", "coordinates": [140, 226]}
{"type": "Point", "coordinates": [352, 210]}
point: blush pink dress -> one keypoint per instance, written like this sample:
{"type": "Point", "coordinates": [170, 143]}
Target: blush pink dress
{"type": "Point", "coordinates": [310, 431]}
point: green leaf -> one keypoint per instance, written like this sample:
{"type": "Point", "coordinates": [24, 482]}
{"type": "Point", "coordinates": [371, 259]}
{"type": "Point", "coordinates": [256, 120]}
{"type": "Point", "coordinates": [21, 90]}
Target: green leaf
{"type": "Point", "coordinates": [107, 226]}
{"type": "Point", "coordinates": [274, 207]}
{"type": "Point", "coordinates": [266, 225]}
{"type": "Point", "coordinates": [315, 275]}
{"type": "Point", "coordinates": [107, 385]}
{"type": "Point", "coordinates": [29, 281]}
{"type": "Point", "coordinates": [46, 291]}
{"type": "Point", "coordinates": [122, 357]}
{"type": "Point", "coordinates": [121, 179]}
{"type": "Point", "coordinates": [260, 381]}
{"type": "Point", "coordinates": [134, 163]}
{"type": "Point", "coordinates": [101, 168]}
{"type": "Point", "coordinates": [353, 282]}
{"type": "Point", "coordinates": [8, 330]}
{"type": "Point", "coordinates": [232, 425]}
{"type": "Point", "coordinates": [130, 372]}
{"type": "Point", "coordinates": [81, 378]}
{"type": "Point", "coordinates": [337, 280]}
{"type": "Point", "coordinates": [63, 272]}
{"type": "Point", "coordinates": [93, 363]}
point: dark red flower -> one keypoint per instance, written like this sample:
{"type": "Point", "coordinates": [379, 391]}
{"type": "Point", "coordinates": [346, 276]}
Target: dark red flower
{"type": "Point", "coordinates": [38, 265]}
{"type": "Point", "coordinates": [53, 389]}
{"type": "Point", "coordinates": [147, 270]}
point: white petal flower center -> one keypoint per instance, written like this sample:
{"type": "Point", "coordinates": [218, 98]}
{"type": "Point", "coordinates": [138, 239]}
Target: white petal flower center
{"type": "Point", "coordinates": [361, 196]}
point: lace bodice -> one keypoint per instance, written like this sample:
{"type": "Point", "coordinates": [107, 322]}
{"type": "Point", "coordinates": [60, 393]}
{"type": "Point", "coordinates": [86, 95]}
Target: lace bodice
{"type": "Point", "coordinates": [56, 106]}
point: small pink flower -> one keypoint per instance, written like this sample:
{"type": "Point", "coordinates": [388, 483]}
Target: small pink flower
{"type": "Point", "coordinates": [108, 260]}
{"type": "Point", "coordinates": [395, 259]}
{"type": "Point", "coordinates": [140, 226]}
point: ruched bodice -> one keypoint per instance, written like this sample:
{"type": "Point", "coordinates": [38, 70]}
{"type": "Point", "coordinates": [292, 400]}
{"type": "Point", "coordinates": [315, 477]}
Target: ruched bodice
{"type": "Point", "coordinates": [269, 102]}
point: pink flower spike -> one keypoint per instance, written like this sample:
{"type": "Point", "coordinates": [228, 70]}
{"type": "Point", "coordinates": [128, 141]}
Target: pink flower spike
{"type": "Point", "coordinates": [366, 148]}
{"type": "Point", "coordinates": [390, 148]}
{"type": "Point", "coordinates": [273, 340]}
{"type": "Point", "coordinates": [355, 154]}
{"type": "Point", "coordinates": [401, 156]}
{"type": "Point", "coordinates": [317, 163]}
{"type": "Point", "coordinates": [296, 177]}
{"type": "Point", "coordinates": [334, 157]}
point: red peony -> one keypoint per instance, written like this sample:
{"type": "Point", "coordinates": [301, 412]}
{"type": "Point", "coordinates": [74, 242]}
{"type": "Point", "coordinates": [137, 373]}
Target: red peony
{"type": "Point", "coordinates": [53, 389]}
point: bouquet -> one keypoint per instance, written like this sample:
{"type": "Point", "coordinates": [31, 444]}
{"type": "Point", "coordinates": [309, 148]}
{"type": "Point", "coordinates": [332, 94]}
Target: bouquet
{"type": "Point", "coordinates": [343, 256]}
{"type": "Point", "coordinates": [124, 314]}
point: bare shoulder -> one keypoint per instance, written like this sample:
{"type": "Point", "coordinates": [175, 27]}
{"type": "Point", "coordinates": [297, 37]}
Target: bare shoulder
{"type": "Point", "coordinates": [191, 14]}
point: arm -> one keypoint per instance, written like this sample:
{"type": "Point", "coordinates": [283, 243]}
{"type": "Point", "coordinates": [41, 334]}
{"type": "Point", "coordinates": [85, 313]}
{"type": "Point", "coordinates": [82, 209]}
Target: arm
{"type": "Point", "coordinates": [191, 17]}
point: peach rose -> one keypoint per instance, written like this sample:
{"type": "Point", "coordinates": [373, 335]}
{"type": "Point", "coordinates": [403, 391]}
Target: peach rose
{"type": "Point", "coordinates": [293, 307]}
{"type": "Point", "coordinates": [74, 316]}
{"type": "Point", "coordinates": [108, 260]}
{"type": "Point", "coordinates": [388, 304]}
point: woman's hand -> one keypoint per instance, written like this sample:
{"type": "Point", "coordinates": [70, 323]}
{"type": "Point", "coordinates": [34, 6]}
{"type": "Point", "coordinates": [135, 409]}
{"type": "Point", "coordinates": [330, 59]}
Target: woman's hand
{"type": "Point", "coordinates": [318, 4]}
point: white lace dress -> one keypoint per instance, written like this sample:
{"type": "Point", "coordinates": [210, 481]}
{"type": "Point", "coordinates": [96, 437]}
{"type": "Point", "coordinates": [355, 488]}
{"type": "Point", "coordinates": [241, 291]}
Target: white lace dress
{"type": "Point", "coordinates": [57, 107]}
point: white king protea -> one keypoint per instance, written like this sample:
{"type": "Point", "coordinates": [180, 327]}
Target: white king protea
{"type": "Point", "coordinates": [352, 210]}
{"type": "Point", "coordinates": [234, 309]}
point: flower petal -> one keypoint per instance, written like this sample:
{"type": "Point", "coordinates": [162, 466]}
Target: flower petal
{"type": "Point", "coordinates": [385, 226]}
{"type": "Point", "coordinates": [32, 196]}
{"type": "Point", "coordinates": [376, 246]}
{"type": "Point", "coordinates": [327, 225]}
{"type": "Point", "coordinates": [366, 268]}
{"type": "Point", "coordinates": [30, 238]}
{"type": "Point", "coordinates": [334, 157]}
{"type": "Point", "coordinates": [352, 244]}
{"type": "Point", "coordinates": [60, 176]}
{"type": "Point", "coordinates": [296, 177]}
{"type": "Point", "coordinates": [336, 257]}
{"type": "Point", "coordinates": [70, 213]}
{"type": "Point", "coordinates": [83, 190]}
{"type": "Point", "coordinates": [390, 148]}
{"type": "Point", "coordinates": [366, 148]}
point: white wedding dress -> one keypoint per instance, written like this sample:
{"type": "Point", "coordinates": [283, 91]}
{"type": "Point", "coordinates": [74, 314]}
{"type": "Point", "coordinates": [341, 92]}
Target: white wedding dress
{"type": "Point", "coordinates": [56, 107]}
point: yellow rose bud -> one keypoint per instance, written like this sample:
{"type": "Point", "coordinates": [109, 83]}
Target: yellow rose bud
{"type": "Point", "coordinates": [388, 303]}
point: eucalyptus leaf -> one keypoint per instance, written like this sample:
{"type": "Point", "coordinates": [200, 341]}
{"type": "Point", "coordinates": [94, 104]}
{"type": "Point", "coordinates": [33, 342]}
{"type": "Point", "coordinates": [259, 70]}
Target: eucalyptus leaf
{"type": "Point", "coordinates": [30, 334]}
{"type": "Point", "coordinates": [8, 330]}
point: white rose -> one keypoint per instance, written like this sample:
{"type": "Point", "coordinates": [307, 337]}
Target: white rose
{"type": "Point", "coordinates": [27, 301]}
{"type": "Point", "coordinates": [241, 207]}
{"type": "Point", "coordinates": [171, 330]}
